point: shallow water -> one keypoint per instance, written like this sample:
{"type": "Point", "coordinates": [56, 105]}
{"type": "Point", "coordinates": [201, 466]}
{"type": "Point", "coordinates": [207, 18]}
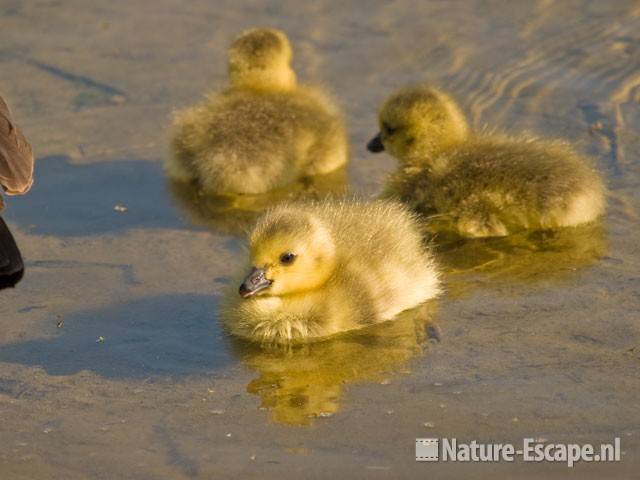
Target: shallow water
{"type": "Point", "coordinates": [112, 363]}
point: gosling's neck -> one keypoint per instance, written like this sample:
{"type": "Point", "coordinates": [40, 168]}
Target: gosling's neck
{"type": "Point", "coordinates": [435, 137]}
{"type": "Point", "coordinates": [272, 80]}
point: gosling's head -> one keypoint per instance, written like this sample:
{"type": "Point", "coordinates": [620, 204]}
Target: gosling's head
{"type": "Point", "coordinates": [291, 252]}
{"type": "Point", "coordinates": [261, 59]}
{"type": "Point", "coordinates": [417, 121]}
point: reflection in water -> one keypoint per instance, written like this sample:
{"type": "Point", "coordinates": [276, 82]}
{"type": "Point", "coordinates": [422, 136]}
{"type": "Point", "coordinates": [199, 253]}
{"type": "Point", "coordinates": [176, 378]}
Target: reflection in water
{"type": "Point", "coordinates": [525, 257]}
{"type": "Point", "coordinates": [234, 214]}
{"type": "Point", "coordinates": [300, 383]}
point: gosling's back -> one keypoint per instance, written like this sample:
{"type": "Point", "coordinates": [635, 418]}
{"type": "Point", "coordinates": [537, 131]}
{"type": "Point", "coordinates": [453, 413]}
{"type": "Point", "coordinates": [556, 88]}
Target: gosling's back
{"type": "Point", "coordinates": [496, 185]}
{"type": "Point", "coordinates": [247, 141]}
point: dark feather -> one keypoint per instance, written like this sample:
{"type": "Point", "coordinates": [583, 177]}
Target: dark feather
{"type": "Point", "coordinates": [11, 266]}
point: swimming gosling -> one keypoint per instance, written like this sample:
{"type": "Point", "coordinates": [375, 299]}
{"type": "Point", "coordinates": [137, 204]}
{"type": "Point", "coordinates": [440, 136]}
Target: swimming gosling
{"type": "Point", "coordinates": [480, 185]}
{"type": "Point", "coordinates": [322, 268]}
{"type": "Point", "coordinates": [261, 133]}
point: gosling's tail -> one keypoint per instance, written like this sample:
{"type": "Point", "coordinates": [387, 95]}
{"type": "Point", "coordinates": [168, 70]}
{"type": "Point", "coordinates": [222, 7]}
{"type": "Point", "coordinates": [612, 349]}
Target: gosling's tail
{"type": "Point", "coordinates": [11, 266]}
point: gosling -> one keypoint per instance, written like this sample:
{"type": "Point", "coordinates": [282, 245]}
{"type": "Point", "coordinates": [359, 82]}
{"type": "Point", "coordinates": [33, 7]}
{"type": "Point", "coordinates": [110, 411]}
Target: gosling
{"type": "Point", "coordinates": [318, 269]}
{"type": "Point", "coordinates": [480, 185]}
{"type": "Point", "coordinates": [264, 131]}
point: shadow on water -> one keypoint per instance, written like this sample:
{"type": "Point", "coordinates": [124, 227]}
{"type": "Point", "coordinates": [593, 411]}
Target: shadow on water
{"type": "Point", "coordinates": [522, 258]}
{"type": "Point", "coordinates": [172, 335]}
{"type": "Point", "coordinates": [73, 200]}
{"type": "Point", "coordinates": [235, 214]}
{"type": "Point", "coordinates": [307, 381]}
{"type": "Point", "coordinates": [77, 200]}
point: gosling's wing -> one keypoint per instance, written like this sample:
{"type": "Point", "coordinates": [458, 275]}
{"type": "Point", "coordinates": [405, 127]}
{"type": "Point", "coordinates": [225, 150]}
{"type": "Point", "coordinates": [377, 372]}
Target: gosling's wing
{"type": "Point", "coordinates": [16, 156]}
{"type": "Point", "coordinates": [11, 266]}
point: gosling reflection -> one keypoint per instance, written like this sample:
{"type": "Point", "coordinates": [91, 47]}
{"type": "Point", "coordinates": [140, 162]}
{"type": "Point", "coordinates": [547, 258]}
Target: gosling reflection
{"type": "Point", "coordinates": [525, 257]}
{"type": "Point", "coordinates": [298, 384]}
{"type": "Point", "coordinates": [234, 214]}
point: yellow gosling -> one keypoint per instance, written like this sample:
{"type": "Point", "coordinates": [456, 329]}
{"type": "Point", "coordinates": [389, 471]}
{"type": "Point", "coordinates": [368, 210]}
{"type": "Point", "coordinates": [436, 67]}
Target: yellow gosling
{"type": "Point", "coordinates": [481, 185]}
{"type": "Point", "coordinates": [322, 268]}
{"type": "Point", "coordinates": [264, 131]}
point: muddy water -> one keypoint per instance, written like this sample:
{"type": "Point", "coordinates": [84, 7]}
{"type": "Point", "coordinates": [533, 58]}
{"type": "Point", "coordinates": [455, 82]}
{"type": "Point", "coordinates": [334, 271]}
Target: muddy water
{"type": "Point", "coordinates": [112, 364]}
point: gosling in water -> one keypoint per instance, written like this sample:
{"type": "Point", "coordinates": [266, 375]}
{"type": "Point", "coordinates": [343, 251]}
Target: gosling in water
{"type": "Point", "coordinates": [480, 185]}
{"type": "Point", "coordinates": [261, 133]}
{"type": "Point", "coordinates": [318, 269]}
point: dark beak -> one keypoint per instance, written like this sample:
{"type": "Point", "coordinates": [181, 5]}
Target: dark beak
{"type": "Point", "coordinates": [254, 282]}
{"type": "Point", "coordinates": [375, 145]}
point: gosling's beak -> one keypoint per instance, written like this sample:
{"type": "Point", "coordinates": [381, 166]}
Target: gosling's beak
{"type": "Point", "coordinates": [254, 282]}
{"type": "Point", "coordinates": [375, 145]}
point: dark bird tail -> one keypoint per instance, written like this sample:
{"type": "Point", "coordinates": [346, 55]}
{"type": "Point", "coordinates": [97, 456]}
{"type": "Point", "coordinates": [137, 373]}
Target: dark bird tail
{"type": "Point", "coordinates": [11, 266]}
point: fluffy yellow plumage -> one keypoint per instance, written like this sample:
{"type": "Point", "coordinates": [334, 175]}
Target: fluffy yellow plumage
{"type": "Point", "coordinates": [481, 185]}
{"type": "Point", "coordinates": [261, 133]}
{"type": "Point", "coordinates": [327, 267]}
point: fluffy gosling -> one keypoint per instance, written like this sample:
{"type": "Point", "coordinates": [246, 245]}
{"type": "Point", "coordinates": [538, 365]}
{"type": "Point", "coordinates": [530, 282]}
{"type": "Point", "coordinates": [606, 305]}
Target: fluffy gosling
{"type": "Point", "coordinates": [264, 131]}
{"type": "Point", "coordinates": [322, 268]}
{"type": "Point", "coordinates": [480, 185]}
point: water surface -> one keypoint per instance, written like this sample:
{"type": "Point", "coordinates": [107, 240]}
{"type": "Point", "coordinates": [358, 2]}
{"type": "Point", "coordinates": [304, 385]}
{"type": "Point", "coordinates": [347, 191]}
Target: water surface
{"type": "Point", "coordinates": [112, 364]}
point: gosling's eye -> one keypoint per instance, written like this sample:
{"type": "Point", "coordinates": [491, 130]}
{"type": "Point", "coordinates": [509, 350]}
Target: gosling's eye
{"type": "Point", "coordinates": [388, 129]}
{"type": "Point", "coordinates": [287, 258]}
